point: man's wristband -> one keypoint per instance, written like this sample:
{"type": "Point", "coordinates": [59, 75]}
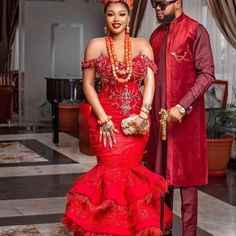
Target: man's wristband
{"type": "Point", "coordinates": [181, 109]}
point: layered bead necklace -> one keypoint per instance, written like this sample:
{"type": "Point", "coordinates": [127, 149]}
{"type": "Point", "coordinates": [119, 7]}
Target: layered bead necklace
{"type": "Point", "coordinates": [121, 76]}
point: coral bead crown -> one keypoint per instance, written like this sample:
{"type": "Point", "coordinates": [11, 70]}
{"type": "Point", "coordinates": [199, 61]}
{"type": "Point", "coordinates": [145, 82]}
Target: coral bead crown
{"type": "Point", "coordinates": [128, 2]}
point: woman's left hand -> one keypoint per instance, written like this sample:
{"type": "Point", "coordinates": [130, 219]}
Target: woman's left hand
{"type": "Point", "coordinates": [141, 124]}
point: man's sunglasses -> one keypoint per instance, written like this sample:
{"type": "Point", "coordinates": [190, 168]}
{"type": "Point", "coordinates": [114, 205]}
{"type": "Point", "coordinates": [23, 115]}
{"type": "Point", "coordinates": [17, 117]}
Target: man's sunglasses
{"type": "Point", "coordinates": [161, 4]}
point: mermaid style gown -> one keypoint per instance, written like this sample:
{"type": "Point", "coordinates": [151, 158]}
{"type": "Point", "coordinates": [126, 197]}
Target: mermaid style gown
{"type": "Point", "coordinates": [118, 196]}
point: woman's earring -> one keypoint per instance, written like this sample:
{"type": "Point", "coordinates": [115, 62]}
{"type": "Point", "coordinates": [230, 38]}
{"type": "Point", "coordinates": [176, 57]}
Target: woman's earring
{"type": "Point", "coordinates": [105, 30]}
{"type": "Point", "coordinates": [127, 29]}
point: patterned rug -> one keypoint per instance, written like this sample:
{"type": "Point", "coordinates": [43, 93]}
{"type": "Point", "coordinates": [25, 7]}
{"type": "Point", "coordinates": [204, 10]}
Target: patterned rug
{"type": "Point", "coordinates": [16, 152]}
{"type": "Point", "coordinates": [35, 230]}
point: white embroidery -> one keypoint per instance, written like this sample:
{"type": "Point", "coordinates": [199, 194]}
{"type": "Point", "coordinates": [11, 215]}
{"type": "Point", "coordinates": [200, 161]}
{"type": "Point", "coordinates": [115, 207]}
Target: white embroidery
{"type": "Point", "coordinates": [125, 96]}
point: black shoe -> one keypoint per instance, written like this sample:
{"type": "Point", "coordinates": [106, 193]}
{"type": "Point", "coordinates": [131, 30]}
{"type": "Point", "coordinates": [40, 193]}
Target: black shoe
{"type": "Point", "coordinates": [168, 233]}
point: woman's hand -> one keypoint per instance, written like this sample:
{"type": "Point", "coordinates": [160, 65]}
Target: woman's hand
{"type": "Point", "coordinates": [141, 124]}
{"type": "Point", "coordinates": [137, 122]}
{"type": "Point", "coordinates": [106, 133]}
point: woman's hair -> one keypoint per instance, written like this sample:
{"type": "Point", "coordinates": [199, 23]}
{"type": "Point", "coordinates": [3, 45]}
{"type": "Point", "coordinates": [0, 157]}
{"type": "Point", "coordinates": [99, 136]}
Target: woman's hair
{"type": "Point", "coordinates": [123, 3]}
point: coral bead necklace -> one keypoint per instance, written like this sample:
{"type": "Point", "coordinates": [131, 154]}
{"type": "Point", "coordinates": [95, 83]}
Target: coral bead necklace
{"type": "Point", "coordinates": [121, 76]}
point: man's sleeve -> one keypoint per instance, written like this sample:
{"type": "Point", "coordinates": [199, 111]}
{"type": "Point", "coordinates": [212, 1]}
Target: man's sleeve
{"type": "Point", "coordinates": [204, 66]}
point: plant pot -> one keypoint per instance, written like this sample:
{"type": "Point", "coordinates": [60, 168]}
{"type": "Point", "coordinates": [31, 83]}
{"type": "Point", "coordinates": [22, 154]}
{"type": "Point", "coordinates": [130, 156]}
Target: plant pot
{"type": "Point", "coordinates": [218, 155]}
{"type": "Point", "coordinates": [84, 140]}
{"type": "Point", "coordinates": [68, 118]}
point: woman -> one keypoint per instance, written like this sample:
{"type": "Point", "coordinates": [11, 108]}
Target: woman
{"type": "Point", "coordinates": [118, 196]}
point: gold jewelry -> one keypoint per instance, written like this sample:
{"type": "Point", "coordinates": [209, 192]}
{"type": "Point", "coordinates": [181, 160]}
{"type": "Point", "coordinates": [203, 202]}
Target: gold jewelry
{"type": "Point", "coordinates": [179, 57]}
{"type": "Point", "coordinates": [127, 126]}
{"type": "Point", "coordinates": [127, 29]}
{"type": "Point", "coordinates": [142, 117]}
{"type": "Point", "coordinates": [105, 121]}
{"type": "Point", "coordinates": [105, 30]}
{"type": "Point", "coordinates": [148, 106]}
{"type": "Point", "coordinates": [163, 123]}
{"type": "Point", "coordinates": [146, 112]}
{"type": "Point", "coordinates": [181, 109]}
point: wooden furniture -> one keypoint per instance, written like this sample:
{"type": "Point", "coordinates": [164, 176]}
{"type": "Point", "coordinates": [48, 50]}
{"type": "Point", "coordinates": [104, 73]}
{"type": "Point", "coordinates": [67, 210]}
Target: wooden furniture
{"type": "Point", "coordinates": [6, 104]}
{"type": "Point", "coordinates": [10, 79]}
{"type": "Point", "coordinates": [68, 118]}
{"type": "Point", "coordinates": [59, 89]}
{"type": "Point", "coordinates": [8, 95]}
{"type": "Point", "coordinates": [84, 141]}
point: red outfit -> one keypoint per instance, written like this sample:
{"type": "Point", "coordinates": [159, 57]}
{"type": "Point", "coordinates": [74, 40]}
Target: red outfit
{"type": "Point", "coordinates": [185, 72]}
{"type": "Point", "coordinates": [188, 72]}
{"type": "Point", "coordinates": [118, 196]}
{"type": "Point", "coordinates": [189, 199]}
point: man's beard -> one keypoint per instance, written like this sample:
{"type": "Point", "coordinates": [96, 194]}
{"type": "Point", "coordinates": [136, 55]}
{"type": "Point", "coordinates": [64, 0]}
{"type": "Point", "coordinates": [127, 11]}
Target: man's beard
{"type": "Point", "coordinates": [167, 19]}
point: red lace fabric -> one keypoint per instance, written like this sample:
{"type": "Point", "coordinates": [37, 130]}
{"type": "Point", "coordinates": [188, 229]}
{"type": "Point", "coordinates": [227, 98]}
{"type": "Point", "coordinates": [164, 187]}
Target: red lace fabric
{"type": "Point", "coordinates": [118, 196]}
{"type": "Point", "coordinates": [124, 97]}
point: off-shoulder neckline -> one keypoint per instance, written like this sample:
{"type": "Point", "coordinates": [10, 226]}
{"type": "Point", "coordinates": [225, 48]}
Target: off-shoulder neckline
{"type": "Point", "coordinates": [107, 57]}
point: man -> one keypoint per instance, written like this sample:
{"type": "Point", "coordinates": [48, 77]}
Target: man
{"type": "Point", "coordinates": [185, 71]}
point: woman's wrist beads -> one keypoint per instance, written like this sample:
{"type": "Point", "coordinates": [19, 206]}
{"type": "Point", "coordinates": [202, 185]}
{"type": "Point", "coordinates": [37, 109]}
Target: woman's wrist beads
{"type": "Point", "coordinates": [104, 121]}
{"type": "Point", "coordinates": [144, 112]}
{"type": "Point", "coordinates": [147, 106]}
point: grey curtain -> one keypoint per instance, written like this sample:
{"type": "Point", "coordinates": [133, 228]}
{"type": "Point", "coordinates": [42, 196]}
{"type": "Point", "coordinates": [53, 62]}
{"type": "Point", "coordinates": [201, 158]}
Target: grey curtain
{"type": "Point", "coordinates": [1, 21]}
{"type": "Point", "coordinates": [137, 16]}
{"type": "Point", "coordinates": [9, 17]}
{"type": "Point", "coordinates": [224, 13]}
{"type": "Point", "coordinates": [12, 19]}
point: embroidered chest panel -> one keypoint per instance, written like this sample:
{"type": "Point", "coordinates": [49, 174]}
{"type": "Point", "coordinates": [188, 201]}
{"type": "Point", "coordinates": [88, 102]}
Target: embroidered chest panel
{"type": "Point", "coordinates": [123, 96]}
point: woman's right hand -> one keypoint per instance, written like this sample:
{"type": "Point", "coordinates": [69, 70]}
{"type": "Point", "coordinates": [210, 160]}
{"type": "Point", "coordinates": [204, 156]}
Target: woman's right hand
{"type": "Point", "coordinates": [107, 133]}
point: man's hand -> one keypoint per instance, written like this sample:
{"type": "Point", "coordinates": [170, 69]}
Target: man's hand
{"type": "Point", "coordinates": [174, 115]}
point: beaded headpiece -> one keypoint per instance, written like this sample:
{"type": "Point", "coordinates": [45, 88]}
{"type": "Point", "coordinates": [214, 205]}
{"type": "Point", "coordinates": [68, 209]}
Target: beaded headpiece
{"type": "Point", "coordinates": [128, 2]}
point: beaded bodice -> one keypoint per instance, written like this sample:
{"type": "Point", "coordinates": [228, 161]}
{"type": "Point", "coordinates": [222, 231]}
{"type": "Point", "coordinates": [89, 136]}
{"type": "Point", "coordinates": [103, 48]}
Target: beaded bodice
{"type": "Point", "coordinates": [123, 96]}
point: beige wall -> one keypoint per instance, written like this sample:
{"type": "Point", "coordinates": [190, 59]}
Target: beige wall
{"type": "Point", "coordinates": [37, 20]}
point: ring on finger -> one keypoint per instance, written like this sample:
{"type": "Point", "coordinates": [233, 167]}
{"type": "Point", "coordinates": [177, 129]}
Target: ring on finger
{"type": "Point", "coordinates": [104, 138]}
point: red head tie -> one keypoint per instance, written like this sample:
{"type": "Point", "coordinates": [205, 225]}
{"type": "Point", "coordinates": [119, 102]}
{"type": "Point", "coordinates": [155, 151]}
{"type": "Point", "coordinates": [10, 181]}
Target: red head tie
{"type": "Point", "coordinates": [128, 2]}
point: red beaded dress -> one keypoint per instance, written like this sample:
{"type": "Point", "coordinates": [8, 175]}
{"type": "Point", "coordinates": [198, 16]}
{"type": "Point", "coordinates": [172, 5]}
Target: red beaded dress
{"type": "Point", "coordinates": [118, 196]}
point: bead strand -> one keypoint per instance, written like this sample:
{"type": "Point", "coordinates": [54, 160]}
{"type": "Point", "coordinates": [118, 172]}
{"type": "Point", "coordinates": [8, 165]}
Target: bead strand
{"type": "Point", "coordinates": [117, 73]}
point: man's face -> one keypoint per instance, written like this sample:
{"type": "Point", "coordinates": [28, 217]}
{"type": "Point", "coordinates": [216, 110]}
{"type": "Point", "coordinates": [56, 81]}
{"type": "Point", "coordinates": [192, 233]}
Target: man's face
{"type": "Point", "coordinates": [165, 10]}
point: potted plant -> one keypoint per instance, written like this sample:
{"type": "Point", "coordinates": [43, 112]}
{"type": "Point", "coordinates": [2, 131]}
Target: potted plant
{"type": "Point", "coordinates": [221, 123]}
{"type": "Point", "coordinates": [69, 116]}
{"type": "Point", "coordinates": [45, 109]}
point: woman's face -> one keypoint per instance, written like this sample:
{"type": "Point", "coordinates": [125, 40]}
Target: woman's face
{"type": "Point", "coordinates": [116, 18]}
